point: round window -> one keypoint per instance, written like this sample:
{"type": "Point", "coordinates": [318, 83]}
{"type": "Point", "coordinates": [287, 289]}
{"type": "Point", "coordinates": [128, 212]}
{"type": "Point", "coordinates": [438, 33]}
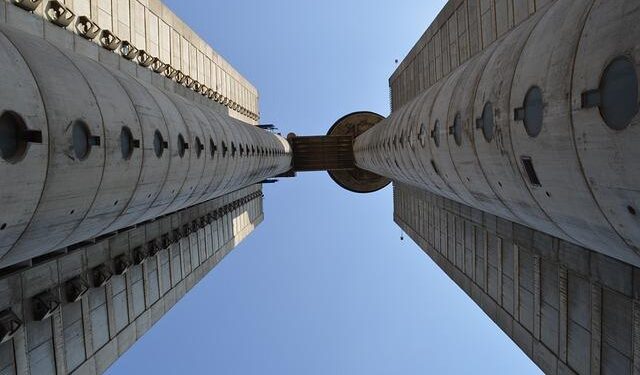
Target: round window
{"type": "Point", "coordinates": [158, 144]}
{"type": "Point", "coordinates": [436, 134]}
{"type": "Point", "coordinates": [80, 140]}
{"type": "Point", "coordinates": [533, 111]}
{"type": "Point", "coordinates": [182, 145]}
{"type": "Point", "coordinates": [212, 148]}
{"type": "Point", "coordinates": [457, 129]}
{"type": "Point", "coordinates": [126, 143]}
{"type": "Point", "coordinates": [487, 122]}
{"type": "Point", "coordinates": [13, 145]}
{"type": "Point", "coordinates": [199, 147]}
{"type": "Point", "coordinates": [410, 138]}
{"type": "Point", "coordinates": [619, 93]}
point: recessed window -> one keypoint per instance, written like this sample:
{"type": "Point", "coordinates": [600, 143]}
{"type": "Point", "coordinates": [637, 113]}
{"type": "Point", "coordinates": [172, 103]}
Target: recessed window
{"type": "Point", "coordinates": [421, 135]}
{"type": "Point", "coordinates": [457, 129]}
{"type": "Point", "coordinates": [619, 93]}
{"type": "Point", "coordinates": [527, 163]}
{"type": "Point", "coordinates": [13, 143]}
{"type": "Point", "coordinates": [631, 210]}
{"type": "Point", "coordinates": [80, 139]}
{"type": "Point", "coordinates": [241, 149]}
{"type": "Point", "coordinates": [435, 134]}
{"type": "Point", "coordinates": [126, 143]}
{"type": "Point", "coordinates": [233, 149]}
{"type": "Point", "coordinates": [224, 149]}
{"type": "Point", "coordinates": [533, 111]}
{"type": "Point", "coordinates": [212, 148]}
{"type": "Point", "coordinates": [199, 147]}
{"type": "Point", "coordinates": [435, 167]}
{"type": "Point", "coordinates": [158, 144]}
{"type": "Point", "coordinates": [488, 122]}
{"type": "Point", "coordinates": [182, 145]}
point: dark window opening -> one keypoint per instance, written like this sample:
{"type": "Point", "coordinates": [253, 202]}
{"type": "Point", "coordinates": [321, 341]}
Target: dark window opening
{"type": "Point", "coordinates": [435, 167]}
{"type": "Point", "coordinates": [224, 149]}
{"type": "Point", "coordinates": [212, 148]}
{"type": "Point", "coordinates": [619, 93]}
{"type": "Point", "coordinates": [532, 113]}
{"type": "Point", "coordinates": [487, 122]}
{"type": "Point", "coordinates": [126, 143]}
{"type": "Point", "coordinates": [457, 129]}
{"type": "Point", "coordinates": [199, 147]}
{"type": "Point", "coordinates": [158, 144]}
{"type": "Point", "coordinates": [182, 145]}
{"type": "Point", "coordinates": [527, 163]}
{"type": "Point", "coordinates": [14, 137]}
{"type": "Point", "coordinates": [631, 210]}
{"type": "Point", "coordinates": [82, 140]}
{"type": "Point", "coordinates": [435, 134]}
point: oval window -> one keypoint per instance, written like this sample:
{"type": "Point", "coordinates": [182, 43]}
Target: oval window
{"type": "Point", "coordinates": [436, 134]}
{"type": "Point", "coordinates": [126, 143]}
{"type": "Point", "coordinates": [457, 129]}
{"type": "Point", "coordinates": [80, 140]}
{"type": "Point", "coordinates": [619, 93]}
{"type": "Point", "coordinates": [212, 148]}
{"type": "Point", "coordinates": [182, 145]}
{"type": "Point", "coordinates": [533, 111]}
{"type": "Point", "coordinates": [199, 147]}
{"type": "Point", "coordinates": [13, 145]}
{"type": "Point", "coordinates": [488, 122]}
{"type": "Point", "coordinates": [158, 144]}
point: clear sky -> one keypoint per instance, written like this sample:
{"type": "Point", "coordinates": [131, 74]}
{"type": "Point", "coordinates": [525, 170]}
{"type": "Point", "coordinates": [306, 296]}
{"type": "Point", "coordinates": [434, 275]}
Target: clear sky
{"type": "Point", "coordinates": [324, 285]}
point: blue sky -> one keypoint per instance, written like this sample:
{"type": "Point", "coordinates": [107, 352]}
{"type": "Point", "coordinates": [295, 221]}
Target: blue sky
{"type": "Point", "coordinates": [324, 285]}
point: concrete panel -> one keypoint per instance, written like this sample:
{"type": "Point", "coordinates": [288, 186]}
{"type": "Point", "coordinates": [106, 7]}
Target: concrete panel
{"type": "Point", "coordinates": [98, 318]}
{"type": "Point", "coordinates": [73, 335]}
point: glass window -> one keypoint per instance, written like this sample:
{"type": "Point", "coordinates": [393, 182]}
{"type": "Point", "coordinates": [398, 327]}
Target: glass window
{"type": "Point", "coordinates": [619, 93]}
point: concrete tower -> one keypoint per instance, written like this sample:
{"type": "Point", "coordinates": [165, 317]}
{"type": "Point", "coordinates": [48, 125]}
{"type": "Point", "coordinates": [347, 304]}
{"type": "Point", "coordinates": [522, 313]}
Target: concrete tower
{"type": "Point", "coordinates": [513, 149]}
{"type": "Point", "coordinates": [130, 166]}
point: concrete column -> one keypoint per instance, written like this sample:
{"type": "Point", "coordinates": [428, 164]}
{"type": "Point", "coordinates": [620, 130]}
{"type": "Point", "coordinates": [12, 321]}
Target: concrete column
{"type": "Point", "coordinates": [526, 129]}
{"type": "Point", "coordinates": [97, 150]}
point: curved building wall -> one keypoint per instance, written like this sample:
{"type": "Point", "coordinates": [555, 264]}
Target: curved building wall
{"type": "Point", "coordinates": [540, 128]}
{"type": "Point", "coordinates": [88, 150]}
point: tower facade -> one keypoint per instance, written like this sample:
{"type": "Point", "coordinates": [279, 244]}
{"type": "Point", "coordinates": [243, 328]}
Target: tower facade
{"type": "Point", "coordinates": [131, 165]}
{"type": "Point", "coordinates": [512, 146]}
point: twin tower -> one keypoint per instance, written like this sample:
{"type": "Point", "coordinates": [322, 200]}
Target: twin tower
{"type": "Point", "coordinates": [131, 165]}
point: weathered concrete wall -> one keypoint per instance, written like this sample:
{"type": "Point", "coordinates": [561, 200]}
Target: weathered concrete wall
{"type": "Point", "coordinates": [540, 128]}
{"type": "Point", "coordinates": [151, 27]}
{"type": "Point", "coordinates": [461, 30]}
{"type": "Point", "coordinates": [569, 309]}
{"type": "Point", "coordinates": [113, 150]}
{"type": "Point", "coordinates": [86, 336]}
